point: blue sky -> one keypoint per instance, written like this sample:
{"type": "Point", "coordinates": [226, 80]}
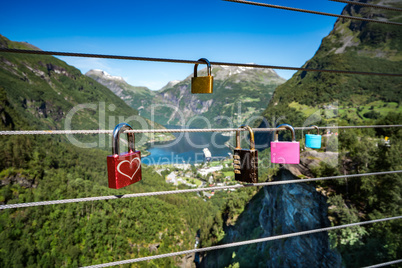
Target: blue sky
{"type": "Point", "coordinates": [213, 29]}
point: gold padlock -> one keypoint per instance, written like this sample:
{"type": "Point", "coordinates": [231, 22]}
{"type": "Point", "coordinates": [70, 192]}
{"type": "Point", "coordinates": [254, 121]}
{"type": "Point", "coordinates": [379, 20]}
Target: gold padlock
{"type": "Point", "coordinates": [202, 84]}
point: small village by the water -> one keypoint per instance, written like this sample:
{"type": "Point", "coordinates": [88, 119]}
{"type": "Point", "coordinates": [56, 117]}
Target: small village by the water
{"type": "Point", "coordinates": [214, 171]}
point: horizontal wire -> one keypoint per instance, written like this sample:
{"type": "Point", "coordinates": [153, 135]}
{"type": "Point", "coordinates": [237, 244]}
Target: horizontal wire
{"type": "Point", "coordinates": [178, 130]}
{"type": "Point", "coordinates": [103, 56]}
{"type": "Point", "coordinates": [312, 12]}
{"type": "Point", "coordinates": [367, 5]}
{"type": "Point", "coordinates": [98, 198]}
{"type": "Point", "coordinates": [242, 243]}
{"type": "Point", "coordinates": [384, 264]}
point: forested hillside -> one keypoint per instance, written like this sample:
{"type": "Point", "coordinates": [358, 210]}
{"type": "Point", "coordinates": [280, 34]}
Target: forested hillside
{"type": "Point", "coordinates": [42, 90]}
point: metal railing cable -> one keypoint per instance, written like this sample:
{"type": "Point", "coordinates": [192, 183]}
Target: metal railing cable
{"type": "Point", "coordinates": [271, 183]}
{"type": "Point", "coordinates": [312, 12]}
{"type": "Point", "coordinates": [384, 264]}
{"type": "Point", "coordinates": [242, 243]}
{"type": "Point", "coordinates": [178, 130]}
{"type": "Point", "coordinates": [250, 65]}
{"type": "Point", "coordinates": [367, 5]}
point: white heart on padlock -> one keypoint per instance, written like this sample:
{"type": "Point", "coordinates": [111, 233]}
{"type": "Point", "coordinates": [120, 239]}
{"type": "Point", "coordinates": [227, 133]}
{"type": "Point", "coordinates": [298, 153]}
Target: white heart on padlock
{"type": "Point", "coordinates": [130, 162]}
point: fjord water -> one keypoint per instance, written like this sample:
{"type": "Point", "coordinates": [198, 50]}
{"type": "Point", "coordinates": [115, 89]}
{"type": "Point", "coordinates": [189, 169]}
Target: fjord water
{"type": "Point", "coordinates": [187, 148]}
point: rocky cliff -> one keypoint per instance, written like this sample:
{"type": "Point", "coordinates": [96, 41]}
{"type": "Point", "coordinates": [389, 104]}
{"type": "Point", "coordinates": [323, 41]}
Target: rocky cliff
{"type": "Point", "coordinates": [277, 210]}
{"type": "Point", "coordinates": [294, 208]}
{"type": "Point", "coordinates": [134, 96]}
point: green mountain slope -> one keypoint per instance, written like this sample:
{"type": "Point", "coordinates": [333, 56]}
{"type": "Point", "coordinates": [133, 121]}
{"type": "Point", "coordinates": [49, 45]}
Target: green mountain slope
{"type": "Point", "coordinates": [46, 89]}
{"type": "Point", "coordinates": [356, 46]}
{"type": "Point", "coordinates": [239, 94]}
{"type": "Point", "coordinates": [49, 94]}
{"type": "Point", "coordinates": [135, 97]}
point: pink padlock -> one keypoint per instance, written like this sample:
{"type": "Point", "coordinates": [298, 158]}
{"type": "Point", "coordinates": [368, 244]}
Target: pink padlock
{"type": "Point", "coordinates": [285, 152]}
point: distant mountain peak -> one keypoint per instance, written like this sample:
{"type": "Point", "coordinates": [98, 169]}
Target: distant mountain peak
{"type": "Point", "coordinates": [133, 96]}
{"type": "Point", "coordinates": [253, 86]}
{"type": "Point", "coordinates": [236, 69]}
{"type": "Point", "coordinates": [241, 73]}
{"type": "Point", "coordinates": [232, 70]}
{"type": "Point", "coordinates": [105, 75]}
{"type": "Point", "coordinates": [171, 84]}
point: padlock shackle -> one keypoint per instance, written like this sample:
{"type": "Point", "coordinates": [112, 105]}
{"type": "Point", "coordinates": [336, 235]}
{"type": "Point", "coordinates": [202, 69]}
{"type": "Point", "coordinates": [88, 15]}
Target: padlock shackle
{"type": "Point", "coordinates": [318, 130]}
{"type": "Point", "coordinates": [116, 138]}
{"type": "Point", "coordinates": [208, 65]}
{"type": "Point", "coordinates": [285, 126]}
{"type": "Point", "coordinates": [252, 143]}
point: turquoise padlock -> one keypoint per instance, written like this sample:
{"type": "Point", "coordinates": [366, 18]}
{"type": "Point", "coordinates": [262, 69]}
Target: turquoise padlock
{"type": "Point", "coordinates": [312, 140]}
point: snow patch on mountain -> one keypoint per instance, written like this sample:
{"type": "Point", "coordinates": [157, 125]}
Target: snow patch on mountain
{"type": "Point", "coordinates": [105, 75]}
{"type": "Point", "coordinates": [171, 84]}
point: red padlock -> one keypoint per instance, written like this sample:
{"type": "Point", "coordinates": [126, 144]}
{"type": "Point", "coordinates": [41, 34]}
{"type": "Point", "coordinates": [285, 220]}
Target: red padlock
{"type": "Point", "coordinates": [123, 169]}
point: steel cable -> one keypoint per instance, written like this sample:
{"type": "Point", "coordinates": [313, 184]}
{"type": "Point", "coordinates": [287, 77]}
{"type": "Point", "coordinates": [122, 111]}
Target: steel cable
{"type": "Point", "coordinates": [312, 12]}
{"type": "Point", "coordinates": [103, 56]}
{"type": "Point", "coordinates": [98, 198]}
{"type": "Point", "coordinates": [242, 243]}
{"type": "Point", "coordinates": [178, 130]}
{"type": "Point", "coordinates": [384, 264]}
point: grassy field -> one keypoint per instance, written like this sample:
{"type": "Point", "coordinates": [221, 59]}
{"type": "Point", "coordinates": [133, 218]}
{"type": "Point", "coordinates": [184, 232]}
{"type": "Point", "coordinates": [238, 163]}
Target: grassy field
{"type": "Point", "coordinates": [362, 113]}
{"type": "Point", "coordinates": [228, 173]}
